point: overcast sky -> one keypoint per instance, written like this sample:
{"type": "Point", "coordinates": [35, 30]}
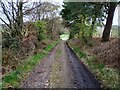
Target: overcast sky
{"type": "Point", "coordinates": [115, 19]}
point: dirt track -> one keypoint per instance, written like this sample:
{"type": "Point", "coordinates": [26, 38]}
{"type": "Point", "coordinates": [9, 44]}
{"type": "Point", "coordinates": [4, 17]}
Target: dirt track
{"type": "Point", "coordinates": [61, 69]}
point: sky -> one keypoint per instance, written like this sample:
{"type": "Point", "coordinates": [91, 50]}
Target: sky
{"type": "Point", "coordinates": [115, 19]}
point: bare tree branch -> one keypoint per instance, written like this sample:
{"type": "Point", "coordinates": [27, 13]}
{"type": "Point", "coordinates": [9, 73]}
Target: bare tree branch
{"type": "Point", "coordinates": [5, 12]}
{"type": "Point", "coordinates": [5, 22]}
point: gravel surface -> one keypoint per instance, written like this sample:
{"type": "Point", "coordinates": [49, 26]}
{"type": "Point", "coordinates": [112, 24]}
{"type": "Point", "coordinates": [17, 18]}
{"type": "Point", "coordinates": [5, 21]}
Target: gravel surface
{"type": "Point", "coordinates": [61, 69]}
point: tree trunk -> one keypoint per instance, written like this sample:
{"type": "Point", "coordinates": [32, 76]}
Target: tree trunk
{"type": "Point", "coordinates": [107, 29]}
{"type": "Point", "coordinates": [19, 20]}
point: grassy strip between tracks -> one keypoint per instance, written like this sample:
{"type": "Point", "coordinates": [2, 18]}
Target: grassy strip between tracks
{"type": "Point", "coordinates": [15, 78]}
{"type": "Point", "coordinates": [108, 77]}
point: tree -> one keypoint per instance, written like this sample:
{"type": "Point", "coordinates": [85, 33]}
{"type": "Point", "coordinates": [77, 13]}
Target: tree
{"type": "Point", "coordinates": [107, 29]}
{"type": "Point", "coordinates": [87, 14]}
{"type": "Point", "coordinates": [14, 15]}
{"type": "Point", "coordinates": [45, 11]}
{"type": "Point", "coordinates": [92, 13]}
{"type": "Point", "coordinates": [41, 30]}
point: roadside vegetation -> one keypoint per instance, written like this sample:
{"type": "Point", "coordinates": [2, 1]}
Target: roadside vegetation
{"type": "Point", "coordinates": [29, 31]}
{"type": "Point", "coordinates": [104, 67]}
{"type": "Point", "coordinates": [15, 78]}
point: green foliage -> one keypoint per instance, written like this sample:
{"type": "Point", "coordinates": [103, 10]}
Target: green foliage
{"type": "Point", "coordinates": [42, 30]}
{"type": "Point", "coordinates": [10, 42]}
{"type": "Point", "coordinates": [11, 78]}
{"type": "Point", "coordinates": [74, 30]}
{"type": "Point", "coordinates": [83, 18]}
{"type": "Point", "coordinates": [84, 31]}
{"type": "Point", "coordinates": [80, 53]}
{"type": "Point", "coordinates": [92, 13]}
{"type": "Point", "coordinates": [101, 66]}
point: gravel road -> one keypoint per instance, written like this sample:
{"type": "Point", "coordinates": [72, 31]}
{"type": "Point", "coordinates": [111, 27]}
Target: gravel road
{"type": "Point", "coordinates": [61, 69]}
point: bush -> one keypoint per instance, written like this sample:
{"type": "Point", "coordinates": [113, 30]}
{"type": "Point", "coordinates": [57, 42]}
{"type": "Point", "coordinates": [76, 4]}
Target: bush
{"type": "Point", "coordinates": [42, 32]}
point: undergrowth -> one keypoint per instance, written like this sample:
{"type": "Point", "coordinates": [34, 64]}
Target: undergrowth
{"type": "Point", "coordinates": [14, 79]}
{"type": "Point", "coordinates": [108, 77]}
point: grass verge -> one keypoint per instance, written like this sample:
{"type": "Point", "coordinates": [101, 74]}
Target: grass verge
{"type": "Point", "coordinates": [108, 77]}
{"type": "Point", "coordinates": [14, 79]}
